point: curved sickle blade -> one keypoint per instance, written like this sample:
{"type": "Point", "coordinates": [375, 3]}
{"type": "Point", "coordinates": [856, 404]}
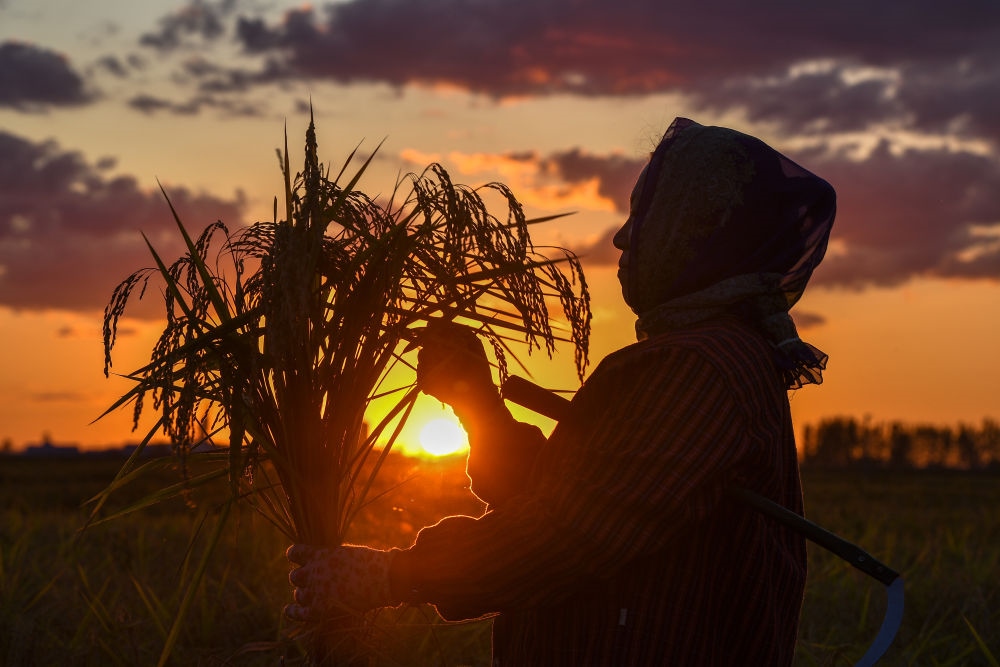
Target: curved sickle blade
{"type": "Point", "coordinates": [890, 625]}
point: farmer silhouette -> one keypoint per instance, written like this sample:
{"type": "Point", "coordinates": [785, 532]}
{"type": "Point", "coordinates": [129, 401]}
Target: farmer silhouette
{"type": "Point", "coordinates": [613, 542]}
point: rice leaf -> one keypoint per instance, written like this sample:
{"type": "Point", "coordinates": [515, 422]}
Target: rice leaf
{"type": "Point", "coordinates": [990, 658]}
{"type": "Point", "coordinates": [167, 493]}
{"type": "Point", "coordinates": [207, 279]}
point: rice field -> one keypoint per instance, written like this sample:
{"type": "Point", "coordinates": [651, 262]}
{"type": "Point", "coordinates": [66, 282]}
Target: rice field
{"type": "Point", "coordinates": [107, 596]}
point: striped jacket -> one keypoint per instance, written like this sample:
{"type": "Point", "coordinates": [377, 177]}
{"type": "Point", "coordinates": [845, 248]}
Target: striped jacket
{"type": "Point", "coordinates": [618, 545]}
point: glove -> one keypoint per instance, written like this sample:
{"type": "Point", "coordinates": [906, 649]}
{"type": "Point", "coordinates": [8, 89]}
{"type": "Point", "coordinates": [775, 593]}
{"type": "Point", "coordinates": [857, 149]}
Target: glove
{"type": "Point", "coordinates": [334, 580]}
{"type": "Point", "coordinates": [452, 366]}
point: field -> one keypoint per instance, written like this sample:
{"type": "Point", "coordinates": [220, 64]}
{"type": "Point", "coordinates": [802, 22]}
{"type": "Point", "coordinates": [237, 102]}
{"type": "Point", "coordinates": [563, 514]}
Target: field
{"type": "Point", "coordinates": [107, 596]}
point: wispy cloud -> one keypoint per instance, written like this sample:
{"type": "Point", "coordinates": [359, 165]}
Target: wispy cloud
{"type": "Point", "coordinates": [198, 22]}
{"type": "Point", "coordinates": [151, 104]}
{"type": "Point", "coordinates": [805, 319]}
{"type": "Point", "coordinates": [119, 67]}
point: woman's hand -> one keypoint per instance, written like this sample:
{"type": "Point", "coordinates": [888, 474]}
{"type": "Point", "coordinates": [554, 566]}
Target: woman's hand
{"type": "Point", "coordinates": [337, 580]}
{"type": "Point", "coordinates": [452, 367]}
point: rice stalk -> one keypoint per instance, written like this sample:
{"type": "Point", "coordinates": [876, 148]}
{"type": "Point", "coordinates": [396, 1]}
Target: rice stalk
{"type": "Point", "coordinates": [274, 348]}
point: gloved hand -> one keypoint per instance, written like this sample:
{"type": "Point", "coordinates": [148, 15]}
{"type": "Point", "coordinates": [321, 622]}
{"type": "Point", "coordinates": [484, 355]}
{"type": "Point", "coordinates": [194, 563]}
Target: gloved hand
{"type": "Point", "coordinates": [452, 366]}
{"type": "Point", "coordinates": [331, 580]}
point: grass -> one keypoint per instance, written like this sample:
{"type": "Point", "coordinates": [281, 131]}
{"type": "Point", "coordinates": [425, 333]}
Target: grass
{"type": "Point", "coordinates": [108, 596]}
{"type": "Point", "coordinates": [941, 531]}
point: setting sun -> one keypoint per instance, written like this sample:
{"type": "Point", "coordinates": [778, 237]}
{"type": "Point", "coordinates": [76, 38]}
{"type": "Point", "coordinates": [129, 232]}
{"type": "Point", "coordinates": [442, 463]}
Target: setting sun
{"type": "Point", "coordinates": [442, 436]}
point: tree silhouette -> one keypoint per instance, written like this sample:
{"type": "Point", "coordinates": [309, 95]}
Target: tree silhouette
{"type": "Point", "coordinates": [840, 442]}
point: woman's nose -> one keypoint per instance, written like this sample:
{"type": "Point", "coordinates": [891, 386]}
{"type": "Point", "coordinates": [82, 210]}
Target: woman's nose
{"type": "Point", "coordinates": [621, 238]}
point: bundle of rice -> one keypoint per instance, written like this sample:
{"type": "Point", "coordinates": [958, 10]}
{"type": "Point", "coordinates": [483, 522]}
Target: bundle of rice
{"type": "Point", "coordinates": [279, 345]}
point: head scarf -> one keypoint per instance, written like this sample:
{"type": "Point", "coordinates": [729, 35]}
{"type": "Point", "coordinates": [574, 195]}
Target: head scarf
{"type": "Point", "coordinates": [726, 224]}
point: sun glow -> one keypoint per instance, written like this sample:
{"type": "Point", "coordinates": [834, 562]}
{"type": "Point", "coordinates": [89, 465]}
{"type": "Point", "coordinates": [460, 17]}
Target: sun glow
{"type": "Point", "coordinates": [443, 436]}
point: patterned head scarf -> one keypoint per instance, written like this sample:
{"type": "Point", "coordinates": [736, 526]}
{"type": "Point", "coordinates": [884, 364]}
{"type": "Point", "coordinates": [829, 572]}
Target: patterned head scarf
{"type": "Point", "coordinates": [726, 224]}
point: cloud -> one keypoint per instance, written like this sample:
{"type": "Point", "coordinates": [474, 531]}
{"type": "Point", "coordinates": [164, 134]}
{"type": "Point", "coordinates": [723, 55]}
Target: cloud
{"type": "Point", "coordinates": [70, 230]}
{"type": "Point", "coordinates": [615, 174]}
{"type": "Point", "coordinates": [913, 212]}
{"type": "Point", "coordinates": [842, 65]}
{"type": "Point", "coordinates": [805, 320]}
{"type": "Point", "coordinates": [199, 21]}
{"type": "Point", "coordinates": [120, 68]}
{"type": "Point", "coordinates": [492, 47]}
{"type": "Point", "coordinates": [150, 105]}
{"type": "Point", "coordinates": [960, 97]}
{"type": "Point", "coordinates": [113, 65]}
{"type": "Point", "coordinates": [33, 78]}
{"type": "Point", "coordinates": [824, 96]}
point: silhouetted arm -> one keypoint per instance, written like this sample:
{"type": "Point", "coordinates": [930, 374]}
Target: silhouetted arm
{"type": "Point", "coordinates": [502, 453]}
{"type": "Point", "coordinates": [453, 367]}
{"type": "Point", "coordinates": [646, 450]}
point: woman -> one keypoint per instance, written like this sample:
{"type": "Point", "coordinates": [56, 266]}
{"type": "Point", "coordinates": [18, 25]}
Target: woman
{"type": "Point", "coordinates": [613, 542]}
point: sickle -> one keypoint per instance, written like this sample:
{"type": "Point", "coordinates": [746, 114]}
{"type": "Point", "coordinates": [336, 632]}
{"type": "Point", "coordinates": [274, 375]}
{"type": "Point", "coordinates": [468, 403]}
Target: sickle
{"type": "Point", "coordinates": [544, 402]}
{"type": "Point", "coordinates": [853, 555]}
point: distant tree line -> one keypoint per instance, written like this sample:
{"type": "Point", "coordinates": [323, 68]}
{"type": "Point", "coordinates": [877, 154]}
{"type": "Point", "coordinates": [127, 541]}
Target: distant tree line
{"type": "Point", "coordinates": [841, 442]}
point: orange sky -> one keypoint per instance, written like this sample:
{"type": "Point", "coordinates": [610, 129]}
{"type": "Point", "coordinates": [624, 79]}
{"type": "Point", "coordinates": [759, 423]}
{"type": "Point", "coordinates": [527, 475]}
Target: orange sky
{"type": "Point", "coordinates": [907, 354]}
{"type": "Point", "coordinates": [102, 102]}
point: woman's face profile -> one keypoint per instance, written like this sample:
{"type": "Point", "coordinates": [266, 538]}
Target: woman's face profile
{"type": "Point", "coordinates": [622, 238]}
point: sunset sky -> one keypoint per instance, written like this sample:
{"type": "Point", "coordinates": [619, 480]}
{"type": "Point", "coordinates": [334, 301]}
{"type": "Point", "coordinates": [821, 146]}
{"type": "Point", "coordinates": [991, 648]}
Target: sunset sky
{"type": "Point", "coordinates": [896, 103]}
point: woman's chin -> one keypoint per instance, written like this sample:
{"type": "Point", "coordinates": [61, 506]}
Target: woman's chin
{"type": "Point", "coordinates": [623, 281]}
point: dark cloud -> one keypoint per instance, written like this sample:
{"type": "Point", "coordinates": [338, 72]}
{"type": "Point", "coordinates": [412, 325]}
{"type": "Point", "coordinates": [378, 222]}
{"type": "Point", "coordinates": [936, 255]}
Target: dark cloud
{"type": "Point", "coordinates": [118, 67]}
{"type": "Point", "coordinates": [113, 65]}
{"type": "Point", "coordinates": [820, 100]}
{"type": "Point", "coordinates": [901, 214]}
{"type": "Point", "coordinates": [199, 20]}
{"type": "Point", "coordinates": [492, 47]}
{"type": "Point", "coordinates": [32, 78]}
{"type": "Point", "coordinates": [846, 66]}
{"type": "Point", "coordinates": [69, 231]}
{"type": "Point", "coordinates": [913, 212]}
{"type": "Point", "coordinates": [961, 97]}
{"type": "Point", "coordinates": [921, 62]}
{"type": "Point", "coordinates": [616, 174]}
